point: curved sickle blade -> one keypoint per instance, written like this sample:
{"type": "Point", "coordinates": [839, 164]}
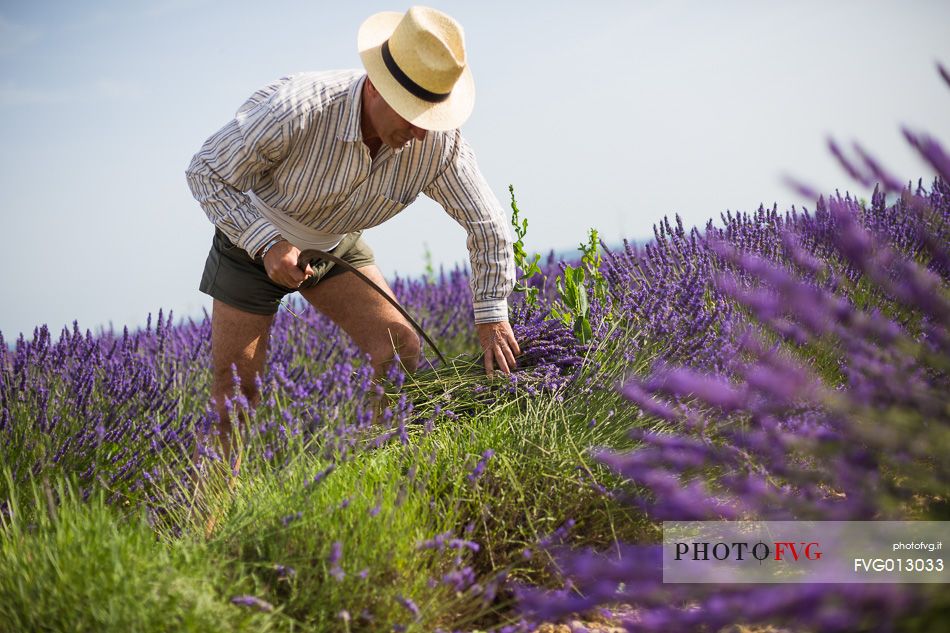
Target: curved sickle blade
{"type": "Point", "coordinates": [309, 255]}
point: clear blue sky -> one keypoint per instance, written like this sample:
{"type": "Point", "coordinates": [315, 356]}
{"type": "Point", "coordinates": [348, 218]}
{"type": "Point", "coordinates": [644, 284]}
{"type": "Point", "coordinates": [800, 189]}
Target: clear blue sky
{"type": "Point", "coordinates": [603, 114]}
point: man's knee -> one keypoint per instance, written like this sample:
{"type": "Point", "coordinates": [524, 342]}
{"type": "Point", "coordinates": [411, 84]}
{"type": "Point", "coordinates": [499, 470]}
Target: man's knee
{"type": "Point", "coordinates": [403, 340]}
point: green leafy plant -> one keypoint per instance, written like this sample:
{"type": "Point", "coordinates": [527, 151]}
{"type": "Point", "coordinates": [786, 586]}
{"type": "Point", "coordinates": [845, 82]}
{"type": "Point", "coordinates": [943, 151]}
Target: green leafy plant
{"type": "Point", "coordinates": [527, 268]}
{"type": "Point", "coordinates": [572, 307]}
{"type": "Point", "coordinates": [429, 273]}
{"type": "Point", "coordinates": [590, 258]}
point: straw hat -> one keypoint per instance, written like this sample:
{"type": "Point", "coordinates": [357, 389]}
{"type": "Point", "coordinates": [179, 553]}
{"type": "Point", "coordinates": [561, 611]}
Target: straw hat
{"type": "Point", "coordinates": [417, 63]}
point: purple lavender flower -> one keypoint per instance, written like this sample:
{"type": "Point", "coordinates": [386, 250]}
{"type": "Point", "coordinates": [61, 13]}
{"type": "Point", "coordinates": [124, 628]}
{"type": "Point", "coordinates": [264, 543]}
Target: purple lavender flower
{"type": "Point", "coordinates": [336, 553]}
{"type": "Point", "coordinates": [714, 391]}
{"type": "Point", "coordinates": [320, 476]}
{"type": "Point", "coordinates": [479, 469]}
{"type": "Point", "coordinates": [932, 152]}
{"type": "Point", "coordinates": [253, 602]}
{"type": "Point", "coordinates": [410, 606]}
{"type": "Point", "coordinates": [635, 393]}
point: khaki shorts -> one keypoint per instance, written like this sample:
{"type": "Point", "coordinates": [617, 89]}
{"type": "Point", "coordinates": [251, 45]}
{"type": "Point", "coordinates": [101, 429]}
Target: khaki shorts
{"type": "Point", "coordinates": [241, 281]}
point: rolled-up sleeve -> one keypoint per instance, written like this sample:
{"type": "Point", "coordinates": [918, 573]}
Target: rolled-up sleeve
{"type": "Point", "coordinates": [232, 161]}
{"type": "Point", "coordinates": [465, 195]}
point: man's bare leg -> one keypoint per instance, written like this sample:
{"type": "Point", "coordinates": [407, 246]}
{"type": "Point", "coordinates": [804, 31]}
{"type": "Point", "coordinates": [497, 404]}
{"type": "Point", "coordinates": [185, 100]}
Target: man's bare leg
{"type": "Point", "coordinates": [238, 338]}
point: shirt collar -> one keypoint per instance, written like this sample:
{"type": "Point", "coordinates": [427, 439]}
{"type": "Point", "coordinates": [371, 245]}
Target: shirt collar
{"type": "Point", "coordinates": [350, 129]}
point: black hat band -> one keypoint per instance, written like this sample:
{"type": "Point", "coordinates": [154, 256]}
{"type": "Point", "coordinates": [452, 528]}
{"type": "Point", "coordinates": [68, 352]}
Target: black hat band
{"type": "Point", "coordinates": [414, 89]}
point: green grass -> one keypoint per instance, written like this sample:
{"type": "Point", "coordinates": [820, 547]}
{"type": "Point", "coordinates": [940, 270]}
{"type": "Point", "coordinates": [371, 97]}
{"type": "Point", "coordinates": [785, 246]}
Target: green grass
{"type": "Point", "coordinates": [91, 566]}
{"type": "Point", "coordinates": [82, 567]}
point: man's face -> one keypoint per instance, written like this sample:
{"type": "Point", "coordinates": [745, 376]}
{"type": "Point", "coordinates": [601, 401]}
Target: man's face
{"type": "Point", "coordinates": [385, 123]}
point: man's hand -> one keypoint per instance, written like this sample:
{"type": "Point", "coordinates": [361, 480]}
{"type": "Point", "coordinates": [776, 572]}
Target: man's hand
{"type": "Point", "coordinates": [280, 261]}
{"type": "Point", "coordinates": [498, 342]}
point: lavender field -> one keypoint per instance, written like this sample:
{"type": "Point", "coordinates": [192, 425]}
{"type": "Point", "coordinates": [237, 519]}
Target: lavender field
{"type": "Point", "coordinates": [772, 365]}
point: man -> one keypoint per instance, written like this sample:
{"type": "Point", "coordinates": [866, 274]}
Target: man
{"type": "Point", "coordinates": [311, 160]}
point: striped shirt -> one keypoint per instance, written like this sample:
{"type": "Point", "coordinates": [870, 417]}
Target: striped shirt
{"type": "Point", "coordinates": [297, 144]}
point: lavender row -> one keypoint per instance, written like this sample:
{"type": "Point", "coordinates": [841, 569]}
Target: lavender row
{"type": "Point", "coordinates": [756, 428]}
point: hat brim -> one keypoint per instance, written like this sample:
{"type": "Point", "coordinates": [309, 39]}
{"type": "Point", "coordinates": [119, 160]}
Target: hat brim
{"type": "Point", "coordinates": [444, 115]}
